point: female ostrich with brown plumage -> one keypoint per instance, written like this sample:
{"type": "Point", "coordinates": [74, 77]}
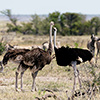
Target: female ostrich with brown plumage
{"type": "Point", "coordinates": [71, 56]}
{"type": "Point", "coordinates": [34, 59]}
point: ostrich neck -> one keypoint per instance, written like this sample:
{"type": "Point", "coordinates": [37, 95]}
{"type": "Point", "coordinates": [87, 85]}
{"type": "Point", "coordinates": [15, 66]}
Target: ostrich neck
{"type": "Point", "coordinates": [92, 43]}
{"type": "Point", "coordinates": [50, 41]}
{"type": "Point", "coordinates": [50, 38]}
{"type": "Point", "coordinates": [55, 39]}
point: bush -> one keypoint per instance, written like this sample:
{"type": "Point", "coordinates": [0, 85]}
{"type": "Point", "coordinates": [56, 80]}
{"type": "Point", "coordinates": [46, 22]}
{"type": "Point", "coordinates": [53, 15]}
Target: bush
{"type": "Point", "coordinates": [2, 48]}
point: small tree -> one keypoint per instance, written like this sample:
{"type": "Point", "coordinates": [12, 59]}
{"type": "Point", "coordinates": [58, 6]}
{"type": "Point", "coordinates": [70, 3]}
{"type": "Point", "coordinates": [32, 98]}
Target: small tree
{"type": "Point", "coordinates": [96, 25]}
{"type": "Point", "coordinates": [13, 26]}
{"type": "Point", "coordinates": [9, 15]}
{"type": "Point", "coordinates": [73, 21]}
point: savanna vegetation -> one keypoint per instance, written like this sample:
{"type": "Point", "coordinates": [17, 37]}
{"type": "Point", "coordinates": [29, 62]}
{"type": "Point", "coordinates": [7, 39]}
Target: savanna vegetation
{"type": "Point", "coordinates": [54, 82]}
{"type": "Point", "coordinates": [67, 24]}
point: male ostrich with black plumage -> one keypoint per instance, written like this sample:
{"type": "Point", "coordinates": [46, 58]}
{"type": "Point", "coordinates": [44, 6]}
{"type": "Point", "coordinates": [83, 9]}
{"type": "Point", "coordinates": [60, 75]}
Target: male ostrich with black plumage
{"type": "Point", "coordinates": [71, 56]}
{"type": "Point", "coordinates": [34, 59]}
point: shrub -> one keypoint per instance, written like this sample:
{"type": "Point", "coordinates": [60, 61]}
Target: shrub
{"type": "Point", "coordinates": [2, 48]}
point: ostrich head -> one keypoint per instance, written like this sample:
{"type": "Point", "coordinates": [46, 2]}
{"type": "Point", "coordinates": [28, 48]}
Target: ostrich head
{"type": "Point", "coordinates": [94, 38]}
{"type": "Point", "coordinates": [52, 23]}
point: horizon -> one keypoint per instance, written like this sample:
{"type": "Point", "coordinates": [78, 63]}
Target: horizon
{"type": "Point", "coordinates": [23, 17]}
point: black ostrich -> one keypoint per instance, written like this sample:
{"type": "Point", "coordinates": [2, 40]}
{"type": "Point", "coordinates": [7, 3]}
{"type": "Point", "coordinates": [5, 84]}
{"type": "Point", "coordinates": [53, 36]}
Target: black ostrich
{"type": "Point", "coordinates": [71, 56]}
{"type": "Point", "coordinates": [34, 59]}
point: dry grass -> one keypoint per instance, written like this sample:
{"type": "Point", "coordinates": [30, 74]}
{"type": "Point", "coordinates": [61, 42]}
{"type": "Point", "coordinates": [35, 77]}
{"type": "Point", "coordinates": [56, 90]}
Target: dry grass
{"type": "Point", "coordinates": [54, 77]}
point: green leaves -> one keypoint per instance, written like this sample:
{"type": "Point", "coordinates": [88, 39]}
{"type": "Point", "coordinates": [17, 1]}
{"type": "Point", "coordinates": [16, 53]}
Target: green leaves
{"type": "Point", "coordinates": [66, 24]}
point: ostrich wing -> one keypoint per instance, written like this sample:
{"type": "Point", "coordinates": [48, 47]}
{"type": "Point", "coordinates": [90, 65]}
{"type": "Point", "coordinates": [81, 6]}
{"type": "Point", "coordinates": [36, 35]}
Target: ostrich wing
{"type": "Point", "coordinates": [14, 55]}
{"type": "Point", "coordinates": [32, 57]}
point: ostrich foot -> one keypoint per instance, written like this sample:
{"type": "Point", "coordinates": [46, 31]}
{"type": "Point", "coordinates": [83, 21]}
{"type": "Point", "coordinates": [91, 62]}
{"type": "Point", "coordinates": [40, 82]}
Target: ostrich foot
{"type": "Point", "coordinates": [35, 89]}
{"type": "Point", "coordinates": [22, 90]}
{"type": "Point", "coordinates": [32, 90]}
{"type": "Point", "coordinates": [17, 90]}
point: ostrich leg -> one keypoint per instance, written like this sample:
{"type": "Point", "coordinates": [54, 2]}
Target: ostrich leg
{"type": "Point", "coordinates": [97, 55]}
{"type": "Point", "coordinates": [22, 81]}
{"type": "Point", "coordinates": [22, 73]}
{"type": "Point", "coordinates": [79, 79]}
{"type": "Point", "coordinates": [16, 83]}
{"type": "Point", "coordinates": [33, 83]}
{"type": "Point", "coordinates": [22, 70]}
{"type": "Point", "coordinates": [1, 69]}
{"type": "Point", "coordinates": [75, 74]}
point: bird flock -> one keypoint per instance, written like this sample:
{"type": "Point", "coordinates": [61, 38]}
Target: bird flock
{"type": "Point", "coordinates": [36, 58]}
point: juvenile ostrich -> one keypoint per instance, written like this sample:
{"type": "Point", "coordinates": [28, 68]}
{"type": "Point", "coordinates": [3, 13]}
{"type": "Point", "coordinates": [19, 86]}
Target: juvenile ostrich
{"type": "Point", "coordinates": [98, 48]}
{"type": "Point", "coordinates": [71, 56]}
{"type": "Point", "coordinates": [91, 44]}
{"type": "Point", "coordinates": [34, 59]}
{"type": "Point", "coordinates": [45, 45]}
{"type": "Point", "coordinates": [13, 47]}
{"type": "Point", "coordinates": [9, 47]}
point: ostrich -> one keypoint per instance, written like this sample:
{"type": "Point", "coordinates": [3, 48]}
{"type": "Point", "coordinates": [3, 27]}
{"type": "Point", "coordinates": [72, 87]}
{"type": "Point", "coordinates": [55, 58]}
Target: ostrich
{"type": "Point", "coordinates": [46, 44]}
{"type": "Point", "coordinates": [71, 56]}
{"type": "Point", "coordinates": [13, 55]}
{"type": "Point", "coordinates": [34, 59]}
{"type": "Point", "coordinates": [10, 47]}
{"type": "Point", "coordinates": [98, 48]}
{"type": "Point", "coordinates": [91, 44]}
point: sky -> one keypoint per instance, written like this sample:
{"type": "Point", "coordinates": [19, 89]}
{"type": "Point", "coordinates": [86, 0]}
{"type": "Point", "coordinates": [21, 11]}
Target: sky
{"type": "Point", "coordinates": [30, 7]}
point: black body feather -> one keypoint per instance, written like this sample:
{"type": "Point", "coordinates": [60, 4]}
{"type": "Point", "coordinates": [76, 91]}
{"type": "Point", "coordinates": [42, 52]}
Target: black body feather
{"type": "Point", "coordinates": [65, 55]}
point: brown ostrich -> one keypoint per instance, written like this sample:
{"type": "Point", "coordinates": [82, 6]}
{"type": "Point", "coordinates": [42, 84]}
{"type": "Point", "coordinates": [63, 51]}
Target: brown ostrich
{"type": "Point", "coordinates": [71, 56]}
{"type": "Point", "coordinates": [34, 59]}
{"type": "Point", "coordinates": [13, 55]}
{"type": "Point", "coordinates": [91, 44]}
